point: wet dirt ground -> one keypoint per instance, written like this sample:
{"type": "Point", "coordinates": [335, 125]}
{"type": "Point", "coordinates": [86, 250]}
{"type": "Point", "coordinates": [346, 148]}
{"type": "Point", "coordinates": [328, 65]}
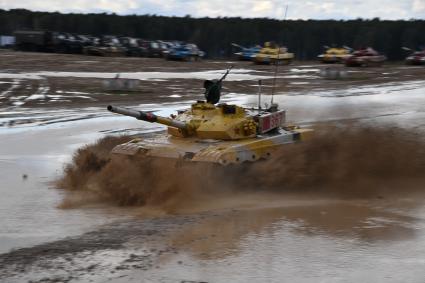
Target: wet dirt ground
{"type": "Point", "coordinates": [50, 105]}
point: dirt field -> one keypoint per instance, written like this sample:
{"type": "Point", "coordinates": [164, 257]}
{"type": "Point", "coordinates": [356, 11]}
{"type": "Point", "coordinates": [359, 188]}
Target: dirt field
{"type": "Point", "coordinates": [51, 105]}
{"type": "Point", "coordinates": [73, 89]}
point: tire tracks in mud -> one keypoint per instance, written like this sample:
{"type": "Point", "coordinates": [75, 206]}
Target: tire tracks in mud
{"type": "Point", "coordinates": [20, 90]}
{"type": "Point", "coordinates": [30, 93]}
{"type": "Point", "coordinates": [9, 90]}
{"type": "Point", "coordinates": [136, 243]}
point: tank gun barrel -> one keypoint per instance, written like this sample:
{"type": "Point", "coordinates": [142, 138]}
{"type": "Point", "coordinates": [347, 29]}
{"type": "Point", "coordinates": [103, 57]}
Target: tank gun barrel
{"type": "Point", "coordinates": [238, 46]}
{"type": "Point", "coordinates": [148, 117]}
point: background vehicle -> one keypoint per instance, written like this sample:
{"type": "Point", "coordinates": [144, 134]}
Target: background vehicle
{"type": "Point", "coordinates": [335, 54]}
{"type": "Point", "coordinates": [271, 53]}
{"type": "Point", "coordinates": [246, 53]}
{"type": "Point", "coordinates": [153, 48]}
{"type": "Point", "coordinates": [34, 40]}
{"type": "Point", "coordinates": [132, 46]}
{"type": "Point", "coordinates": [185, 52]}
{"type": "Point", "coordinates": [108, 46]}
{"type": "Point", "coordinates": [365, 57]}
{"type": "Point", "coordinates": [415, 57]}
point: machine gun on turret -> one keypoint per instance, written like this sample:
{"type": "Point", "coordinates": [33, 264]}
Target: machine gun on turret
{"type": "Point", "coordinates": [213, 88]}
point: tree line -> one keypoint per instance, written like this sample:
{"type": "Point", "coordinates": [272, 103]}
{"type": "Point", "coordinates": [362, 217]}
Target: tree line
{"type": "Point", "coordinates": [305, 38]}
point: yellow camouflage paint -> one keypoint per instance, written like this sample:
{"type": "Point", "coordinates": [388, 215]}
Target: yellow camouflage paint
{"type": "Point", "coordinates": [334, 54]}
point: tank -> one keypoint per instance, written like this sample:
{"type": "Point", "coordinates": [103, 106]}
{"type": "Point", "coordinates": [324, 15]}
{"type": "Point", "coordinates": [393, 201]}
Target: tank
{"type": "Point", "coordinates": [365, 57]}
{"type": "Point", "coordinates": [416, 57]}
{"type": "Point", "coordinates": [108, 46]}
{"type": "Point", "coordinates": [106, 51]}
{"type": "Point", "coordinates": [213, 132]}
{"type": "Point", "coordinates": [334, 54]}
{"type": "Point", "coordinates": [271, 53]}
{"type": "Point", "coordinates": [184, 52]}
{"type": "Point", "coordinates": [246, 53]}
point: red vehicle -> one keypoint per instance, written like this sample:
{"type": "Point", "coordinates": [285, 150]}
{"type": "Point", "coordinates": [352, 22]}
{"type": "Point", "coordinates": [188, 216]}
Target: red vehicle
{"type": "Point", "coordinates": [365, 57]}
{"type": "Point", "coordinates": [416, 58]}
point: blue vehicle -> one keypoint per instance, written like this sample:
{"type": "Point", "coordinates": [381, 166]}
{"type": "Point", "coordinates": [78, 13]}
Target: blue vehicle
{"type": "Point", "coordinates": [246, 53]}
{"type": "Point", "coordinates": [184, 52]}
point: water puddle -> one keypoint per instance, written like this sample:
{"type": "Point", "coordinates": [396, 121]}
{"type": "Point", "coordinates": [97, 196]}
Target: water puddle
{"type": "Point", "coordinates": [304, 70]}
{"type": "Point", "coordinates": [331, 239]}
{"type": "Point", "coordinates": [235, 75]}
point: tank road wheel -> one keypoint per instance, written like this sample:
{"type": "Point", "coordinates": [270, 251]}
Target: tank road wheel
{"type": "Point", "coordinates": [244, 157]}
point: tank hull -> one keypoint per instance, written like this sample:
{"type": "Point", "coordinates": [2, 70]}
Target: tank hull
{"type": "Point", "coordinates": [331, 59]}
{"type": "Point", "coordinates": [366, 61]}
{"type": "Point", "coordinates": [366, 57]}
{"type": "Point", "coordinates": [284, 58]}
{"type": "Point", "coordinates": [164, 145]}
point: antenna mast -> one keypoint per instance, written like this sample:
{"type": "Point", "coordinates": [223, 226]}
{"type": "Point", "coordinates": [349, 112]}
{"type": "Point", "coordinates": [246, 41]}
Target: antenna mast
{"type": "Point", "coordinates": [277, 61]}
{"type": "Point", "coordinates": [275, 75]}
{"type": "Point", "coordinates": [259, 95]}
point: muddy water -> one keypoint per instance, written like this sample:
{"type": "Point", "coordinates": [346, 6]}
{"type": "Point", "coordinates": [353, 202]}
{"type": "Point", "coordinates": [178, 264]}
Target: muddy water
{"type": "Point", "coordinates": [264, 239]}
{"type": "Point", "coordinates": [236, 75]}
{"type": "Point", "coordinates": [31, 157]}
{"type": "Point", "coordinates": [325, 242]}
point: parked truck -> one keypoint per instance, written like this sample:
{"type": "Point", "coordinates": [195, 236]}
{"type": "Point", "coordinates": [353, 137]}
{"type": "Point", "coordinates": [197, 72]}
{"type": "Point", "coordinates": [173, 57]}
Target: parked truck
{"type": "Point", "coordinates": [34, 40]}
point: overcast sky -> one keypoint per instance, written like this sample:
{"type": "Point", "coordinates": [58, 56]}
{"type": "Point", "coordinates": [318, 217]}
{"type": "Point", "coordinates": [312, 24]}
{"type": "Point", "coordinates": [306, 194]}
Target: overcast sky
{"type": "Point", "coordinates": [309, 9]}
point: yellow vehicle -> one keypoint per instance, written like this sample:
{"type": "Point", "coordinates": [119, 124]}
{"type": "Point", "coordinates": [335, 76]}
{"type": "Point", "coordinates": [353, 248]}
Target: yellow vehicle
{"type": "Point", "coordinates": [335, 54]}
{"type": "Point", "coordinates": [216, 133]}
{"type": "Point", "coordinates": [271, 53]}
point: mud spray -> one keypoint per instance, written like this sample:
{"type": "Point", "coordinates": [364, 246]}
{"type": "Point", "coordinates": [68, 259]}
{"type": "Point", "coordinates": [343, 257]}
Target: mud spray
{"type": "Point", "coordinates": [349, 162]}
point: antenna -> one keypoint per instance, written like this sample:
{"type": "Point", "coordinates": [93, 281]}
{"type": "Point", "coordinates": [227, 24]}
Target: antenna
{"type": "Point", "coordinates": [286, 12]}
{"type": "Point", "coordinates": [277, 61]}
{"type": "Point", "coordinates": [259, 95]}
{"type": "Point", "coordinates": [275, 74]}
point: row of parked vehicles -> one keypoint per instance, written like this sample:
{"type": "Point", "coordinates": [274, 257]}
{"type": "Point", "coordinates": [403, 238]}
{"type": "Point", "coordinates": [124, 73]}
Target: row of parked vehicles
{"type": "Point", "coordinates": [366, 56]}
{"type": "Point", "coordinates": [59, 42]}
{"type": "Point", "coordinates": [362, 57]}
{"type": "Point", "coordinates": [271, 53]}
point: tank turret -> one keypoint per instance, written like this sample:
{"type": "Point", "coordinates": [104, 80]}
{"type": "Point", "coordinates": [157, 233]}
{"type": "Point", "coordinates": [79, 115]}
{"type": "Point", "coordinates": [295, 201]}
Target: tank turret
{"type": "Point", "coordinates": [205, 120]}
{"type": "Point", "coordinates": [208, 121]}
